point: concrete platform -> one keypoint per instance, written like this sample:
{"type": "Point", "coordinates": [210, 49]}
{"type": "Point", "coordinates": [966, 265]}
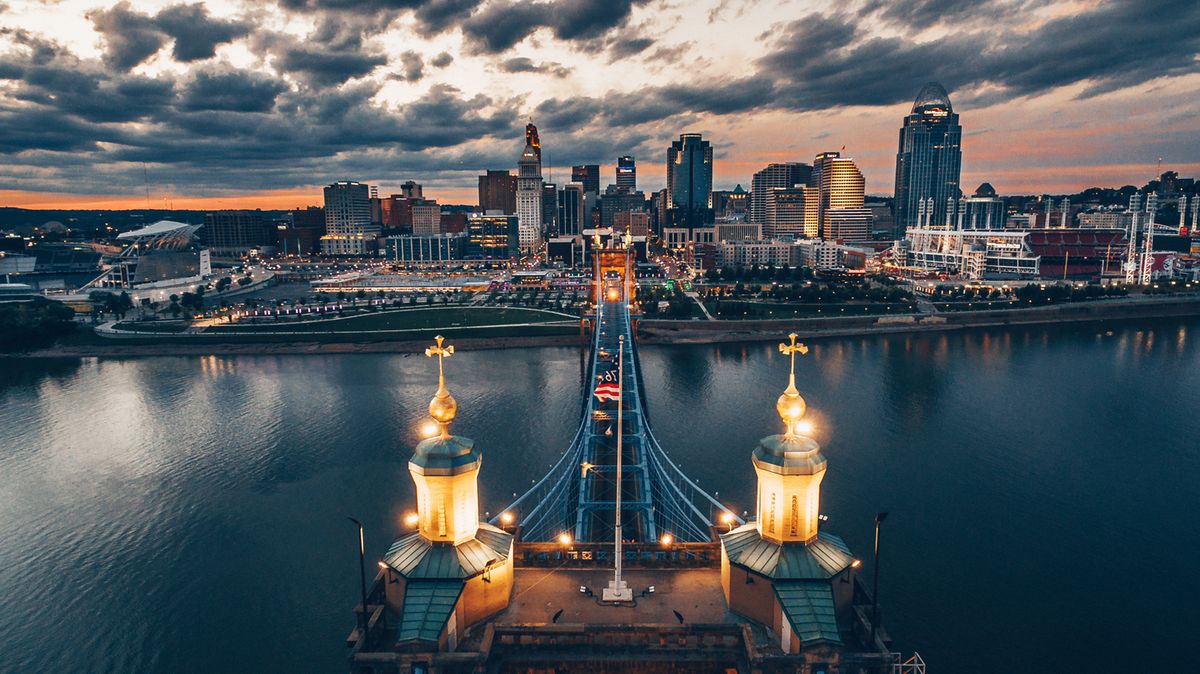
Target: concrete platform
{"type": "Point", "coordinates": [539, 593]}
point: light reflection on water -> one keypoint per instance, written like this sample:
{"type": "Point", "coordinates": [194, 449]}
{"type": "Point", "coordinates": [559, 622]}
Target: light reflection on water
{"type": "Point", "coordinates": [187, 514]}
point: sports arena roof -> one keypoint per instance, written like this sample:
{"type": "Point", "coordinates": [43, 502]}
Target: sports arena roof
{"type": "Point", "coordinates": [157, 230]}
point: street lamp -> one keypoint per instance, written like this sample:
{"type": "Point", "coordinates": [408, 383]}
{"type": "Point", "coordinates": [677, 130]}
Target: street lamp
{"type": "Point", "coordinates": [362, 574]}
{"type": "Point", "coordinates": [879, 518]}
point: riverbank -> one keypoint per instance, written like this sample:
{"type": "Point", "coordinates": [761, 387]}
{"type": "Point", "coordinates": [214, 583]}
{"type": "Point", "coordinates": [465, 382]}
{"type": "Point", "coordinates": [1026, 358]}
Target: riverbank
{"type": "Point", "coordinates": [1124, 309]}
{"type": "Point", "coordinates": [649, 331]}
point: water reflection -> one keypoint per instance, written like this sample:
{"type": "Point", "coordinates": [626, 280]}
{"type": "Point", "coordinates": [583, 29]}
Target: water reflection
{"type": "Point", "coordinates": [133, 492]}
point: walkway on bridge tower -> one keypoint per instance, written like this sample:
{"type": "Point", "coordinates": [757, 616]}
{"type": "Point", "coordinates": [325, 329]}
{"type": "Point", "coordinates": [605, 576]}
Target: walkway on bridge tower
{"type": "Point", "coordinates": [578, 496]}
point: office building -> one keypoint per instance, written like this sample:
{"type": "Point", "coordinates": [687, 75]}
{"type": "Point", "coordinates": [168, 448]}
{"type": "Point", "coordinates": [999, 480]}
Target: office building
{"type": "Point", "coordinates": [529, 192]}
{"type": "Point", "coordinates": [498, 191]}
{"type": "Point", "coordinates": [689, 181]}
{"type": "Point", "coordinates": [550, 208]}
{"type": "Point", "coordinates": [626, 174]}
{"type": "Point", "coordinates": [410, 189]}
{"type": "Point", "coordinates": [348, 228]}
{"type": "Point", "coordinates": [616, 201]}
{"type": "Point", "coordinates": [570, 209]}
{"type": "Point", "coordinates": [634, 223]}
{"type": "Point", "coordinates": [731, 205]}
{"type": "Point", "coordinates": [840, 186]}
{"type": "Point", "coordinates": [426, 217]}
{"type": "Point", "coordinates": [787, 174]}
{"type": "Point", "coordinates": [428, 249]}
{"type": "Point", "coordinates": [587, 175]}
{"type": "Point", "coordinates": [492, 236]}
{"type": "Point", "coordinates": [236, 233]}
{"type": "Point", "coordinates": [791, 211]}
{"type": "Point", "coordinates": [929, 158]}
{"type": "Point", "coordinates": [848, 224]}
{"type": "Point", "coordinates": [736, 231]}
{"type": "Point", "coordinates": [982, 210]}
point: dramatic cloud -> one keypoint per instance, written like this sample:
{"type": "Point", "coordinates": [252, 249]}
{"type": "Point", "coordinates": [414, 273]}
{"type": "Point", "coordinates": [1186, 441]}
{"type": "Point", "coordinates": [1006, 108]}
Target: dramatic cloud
{"type": "Point", "coordinates": [501, 24]}
{"type": "Point", "coordinates": [522, 64]}
{"type": "Point", "coordinates": [229, 95]}
{"type": "Point", "coordinates": [131, 37]}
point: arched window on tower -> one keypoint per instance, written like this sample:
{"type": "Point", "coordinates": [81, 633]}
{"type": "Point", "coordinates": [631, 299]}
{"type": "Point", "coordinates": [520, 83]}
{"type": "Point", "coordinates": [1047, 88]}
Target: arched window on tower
{"type": "Point", "coordinates": [795, 516]}
{"type": "Point", "coordinates": [771, 515]}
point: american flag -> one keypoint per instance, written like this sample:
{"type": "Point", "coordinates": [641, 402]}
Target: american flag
{"type": "Point", "coordinates": [608, 384]}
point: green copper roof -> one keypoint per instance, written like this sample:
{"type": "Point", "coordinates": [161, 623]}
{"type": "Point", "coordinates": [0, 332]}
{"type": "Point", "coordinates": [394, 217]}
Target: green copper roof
{"type": "Point", "coordinates": [809, 609]}
{"type": "Point", "coordinates": [820, 559]}
{"type": "Point", "coordinates": [427, 608]}
{"type": "Point", "coordinates": [448, 456]}
{"type": "Point", "coordinates": [789, 455]}
{"type": "Point", "coordinates": [414, 557]}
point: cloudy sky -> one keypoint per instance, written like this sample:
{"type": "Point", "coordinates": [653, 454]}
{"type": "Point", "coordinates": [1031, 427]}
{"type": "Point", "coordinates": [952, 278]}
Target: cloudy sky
{"type": "Point", "coordinates": [242, 104]}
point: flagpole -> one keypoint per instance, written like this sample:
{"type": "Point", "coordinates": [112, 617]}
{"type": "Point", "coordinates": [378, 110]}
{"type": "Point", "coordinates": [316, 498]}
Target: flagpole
{"type": "Point", "coordinates": [620, 449]}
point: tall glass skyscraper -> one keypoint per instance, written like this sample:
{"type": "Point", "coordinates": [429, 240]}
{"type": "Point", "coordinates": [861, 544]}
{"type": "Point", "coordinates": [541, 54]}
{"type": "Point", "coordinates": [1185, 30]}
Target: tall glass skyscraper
{"type": "Point", "coordinates": [930, 157]}
{"type": "Point", "coordinates": [689, 181]}
{"type": "Point", "coordinates": [626, 173]}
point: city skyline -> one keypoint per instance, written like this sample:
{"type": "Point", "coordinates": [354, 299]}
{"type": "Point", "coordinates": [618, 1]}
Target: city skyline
{"type": "Point", "coordinates": [228, 106]}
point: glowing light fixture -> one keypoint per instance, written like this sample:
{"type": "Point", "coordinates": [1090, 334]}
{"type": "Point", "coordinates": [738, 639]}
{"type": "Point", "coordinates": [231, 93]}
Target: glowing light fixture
{"type": "Point", "coordinates": [564, 538]}
{"type": "Point", "coordinates": [506, 518]}
{"type": "Point", "coordinates": [411, 519]}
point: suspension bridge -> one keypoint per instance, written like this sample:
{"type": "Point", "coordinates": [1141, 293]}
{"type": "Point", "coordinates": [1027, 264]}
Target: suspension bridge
{"type": "Point", "coordinates": [578, 497]}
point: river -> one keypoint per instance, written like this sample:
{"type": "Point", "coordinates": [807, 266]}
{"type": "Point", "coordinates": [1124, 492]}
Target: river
{"type": "Point", "coordinates": [188, 514]}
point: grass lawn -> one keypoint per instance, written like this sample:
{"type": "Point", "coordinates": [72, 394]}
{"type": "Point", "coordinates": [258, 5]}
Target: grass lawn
{"type": "Point", "coordinates": [433, 319]}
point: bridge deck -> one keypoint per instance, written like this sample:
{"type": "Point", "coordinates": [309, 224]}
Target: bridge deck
{"type": "Point", "coordinates": [578, 495]}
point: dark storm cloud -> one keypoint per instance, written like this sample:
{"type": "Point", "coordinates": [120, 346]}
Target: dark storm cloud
{"type": "Point", "coordinates": [432, 16]}
{"type": "Point", "coordinates": [521, 64]}
{"type": "Point", "coordinates": [333, 53]}
{"type": "Point", "coordinates": [324, 68]}
{"type": "Point", "coordinates": [196, 34]}
{"type": "Point", "coordinates": [625, 48]}
{"type": "Point", "coordinates": [131, 37]}
{"type": "Point", "coordinates": [441, 60]}
{"type": "Point", "coordinates": [500, 25]}
{"type": "Point", "coordinates": [43, 73]}
{"type": "Point", "coordinates": [412, 67]}
{"type": "Point", "coordinates": [1104, 47]}
{"type": "Point", "coordinates": [923, 13]}
{"type": "Point", "coordinates": [231, 90]}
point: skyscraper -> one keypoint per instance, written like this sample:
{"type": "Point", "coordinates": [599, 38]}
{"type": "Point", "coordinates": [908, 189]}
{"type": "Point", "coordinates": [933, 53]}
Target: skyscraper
{"type": "Point", "coordinates": [570, 209]}
{"type": "Point", "coordinates": [689, 181]}
{"type": "Point", "coordinates": [626, 174]}
{"type": "Point", "coordinates": [840, 194]}
{"type": "Point", "coordinates": [789, 174]}
{"type": "Point", "coordinates": [348, 228]}
{"type": "Point", "coordinates": [550, 208]}
{"type": "Point", "coordinates": [587, 175]}
{"type": "Point", "coordinates": [498, 191]}
{"type": "Point", "coordinates": [792, 211]}
{"type": "Point", "coordinates": [929, 160]}
{"type": "Point", "coordinates": [529, 191]}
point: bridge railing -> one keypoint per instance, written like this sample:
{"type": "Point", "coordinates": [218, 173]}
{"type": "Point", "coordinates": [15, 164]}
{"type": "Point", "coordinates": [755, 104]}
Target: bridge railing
{"type": "Point", "coordinates": [681, 507]}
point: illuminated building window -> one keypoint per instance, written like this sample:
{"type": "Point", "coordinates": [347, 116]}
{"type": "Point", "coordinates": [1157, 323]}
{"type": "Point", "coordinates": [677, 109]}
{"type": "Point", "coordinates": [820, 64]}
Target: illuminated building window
{"type": "Point", "coordinates": [442, 516]}
{"type": "Point", "coordinates": [795, 515]}
{"type": "Point", "coordinates": [771, 515]}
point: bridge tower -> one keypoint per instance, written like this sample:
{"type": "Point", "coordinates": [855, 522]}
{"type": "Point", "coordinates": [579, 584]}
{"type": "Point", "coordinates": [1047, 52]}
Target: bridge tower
{"type": "Point", "coordinates": [613, 278]}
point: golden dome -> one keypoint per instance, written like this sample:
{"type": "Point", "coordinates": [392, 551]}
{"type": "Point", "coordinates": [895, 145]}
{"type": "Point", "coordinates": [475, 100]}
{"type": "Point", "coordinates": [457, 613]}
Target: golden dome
{"type": "Point", "coordinates": [791, 407]}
